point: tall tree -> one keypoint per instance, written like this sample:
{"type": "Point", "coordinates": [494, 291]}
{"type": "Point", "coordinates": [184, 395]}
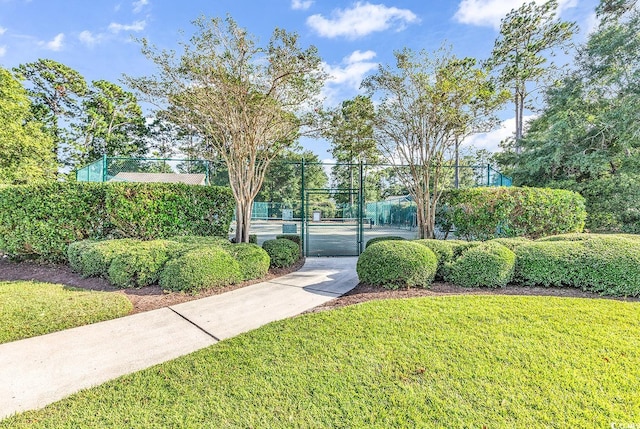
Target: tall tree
{"type": "Point", "coordinates": [248, 101]}
{"type": "Point", "coordinates": [588, 135]}
{"type": "Point", "coordinates": [352, 141]}
{"type": "Point", "coordinates": [111, 123]}
{"type": "Point", "coordinates": [527, 36]}
{"type": "Point", "coordinates": [427, 102]}
{"type": "Point", "coordinates": [56, 92]}
{"type": "Point", "coordinates": [26, 150]}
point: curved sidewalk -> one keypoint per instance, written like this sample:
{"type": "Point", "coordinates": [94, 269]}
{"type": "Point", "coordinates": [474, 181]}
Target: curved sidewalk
{"type": "Point", "coordinates": [38, 371]}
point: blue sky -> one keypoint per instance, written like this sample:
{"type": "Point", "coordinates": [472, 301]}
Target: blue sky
{"type": "Point", "coordinates": [353, 37]}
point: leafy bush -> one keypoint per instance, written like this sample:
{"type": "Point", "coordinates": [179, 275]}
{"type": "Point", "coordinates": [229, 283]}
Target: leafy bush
{"type": "Point", "coordinates": [512, 242]}
{"type": "Point", "coordinates": [445, 250]}
{"type": "Point", "coordinates": [293, 237]}
{"type": "Point", "coordinates": [96, 257]}
{"type": "Point", "coordinates": [384, 238]}
{"type": "Point", "coordinates": [199, 269]}
{"type": "Point", "coordinates": [607, 264]}
{"type": "Point", "coordinates": [252, 259]}
{"type": "Point", "coordinates": [139, 264]}
{"type": "Point", "coordinates": [40, 221]}
{"type": "Point", "coordinates": [394, 264]}
{"type": "Point", "coordinates": [282, 252]}
{"type": "Point", "coordinates": [489, 264]}
{"type": "Point", "coordinates": [75, 252]}
{"type": "Point", "coordinates": [586, 237]}
{"type": "Point", "coordinates": [485, 213]}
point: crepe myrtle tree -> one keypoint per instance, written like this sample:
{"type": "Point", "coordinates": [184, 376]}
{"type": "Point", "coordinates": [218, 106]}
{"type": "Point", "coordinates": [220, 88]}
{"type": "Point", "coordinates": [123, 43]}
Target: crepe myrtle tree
{"type": "Point", "coordinates": [249, 102]}
{"type": "Point", "coordinates": [428, 102]}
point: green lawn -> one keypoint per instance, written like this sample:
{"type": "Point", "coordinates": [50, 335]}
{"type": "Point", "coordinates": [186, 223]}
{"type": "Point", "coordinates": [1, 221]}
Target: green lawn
{"type": "Point", "coordinates": [28, 309]}
{"type": "Point", "coordinates": [461, 361]}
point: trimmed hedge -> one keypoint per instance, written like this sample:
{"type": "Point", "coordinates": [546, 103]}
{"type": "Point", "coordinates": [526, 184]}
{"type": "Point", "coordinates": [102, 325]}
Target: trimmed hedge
{"type": "Point", "coordinates": [282, 252]}
{"type": "Point", "coordinates": [199, 269]}
{"type": "Point", "coordinates": [293, 237]}
{"type": "Point", "coordinates": [252, 259]}
{"type": "Point", "coordinates": [394, 264]}
{"type": "Point", "coordinates": [485, 213]}
{"type": "Point", "coordinates": [512, 243]}
{"type": "Point", "coordinates": [445, 251]}
{"type": "Point", "coordinates": [139, 264]}
{"type": "Point", "coordinates": [96, 256]}
{"type": "Point", "coordinates": [39, 221]}
{"type": "Point", "coordinates": [489, 264]}
{"type": "Point", "coordinates": [384, 238]}
{"type": "Point", "coordinates": [604, 264]}
{"type": "Point", "coordinates": [75, 251]}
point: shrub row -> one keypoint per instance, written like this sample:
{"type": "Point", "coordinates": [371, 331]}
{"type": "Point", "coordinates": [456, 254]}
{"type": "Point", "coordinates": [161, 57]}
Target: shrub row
{"type": "Point", "coordinates": [283, 252]}
{"type": "Point", "coordinates": [185, 263]}
{"type": "Point", "coordinates": [485, 213]}
{"type": "Point", "coordinates": [605, 264]}
{"type": "Point", "coordinates": [39, 221]}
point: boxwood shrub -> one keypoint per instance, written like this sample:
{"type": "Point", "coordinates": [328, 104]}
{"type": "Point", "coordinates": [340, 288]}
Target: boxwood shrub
{"type": "Point", "coordinates": [139, 264]}
{"type": "Point", "coordinates": [252, 259]}
{"type": "Point", "coordinates": [394, 264]}
{"type": "Point", "coordinates": [485, 213]}
{"type": "Point", "coordinates": [96, 256]}
{"type": "Point", "coordinates": [282, 252]}
{"type": "Point", "coordinates": [75, 251]}
{"type": "Point", "coordinates": [200, 268]}
{"type": "Point", "coordinates": [488, 264]}
{"type": "Point", "coordinates": [293, 237]}
{"type": "Point", "coordinates": [40, 221]}
{"type": "Point", "coordinates": [445, 250]}
{"type": "Point", "coordinates": [605, 264]}
{"type": "Point", "coordinates": [384, 238]}
{"type": "Point", "coordinates": [512, 242]}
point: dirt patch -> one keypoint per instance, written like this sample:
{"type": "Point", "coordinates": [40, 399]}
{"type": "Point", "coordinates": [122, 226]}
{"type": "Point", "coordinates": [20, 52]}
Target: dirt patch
{"type": "Point", "coordinates": [143, 299]}
{"type": "Point", "coordinates": [362, 293]}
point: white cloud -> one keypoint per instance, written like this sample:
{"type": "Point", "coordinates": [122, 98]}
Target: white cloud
{"type": "Point", "coordinates": [491, 140]}
{"type": "Point", "coordinates": [488, 13]}
{"type": "Point", "coordinates": [89, 39]}
{"type": "Point", "coordinates": [301, 4]}
{"type": "Point", "coordinates": [362, 19]}
{"type": "Point", "coordinates": [139, 5]}
{"type": "Point", "coordinates": [136, 26]}
{"type": "Point", "coordinates": [346, 77]}
{"type": "Point", "coordinates": [3, 50]}
{"type": "Point", "coordinates": [55, 44]}
{"type": "Point", "coordinates": [2, 30]}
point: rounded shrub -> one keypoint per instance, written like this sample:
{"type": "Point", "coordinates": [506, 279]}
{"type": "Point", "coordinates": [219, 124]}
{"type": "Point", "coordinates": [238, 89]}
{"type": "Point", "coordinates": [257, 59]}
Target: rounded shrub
{"type": "Point", "coordinates": [394, 264]}
{"type": "Point", "coordinates": [512, 242]}
{"type": "Point", "coordinates": [587, 237]}
{"type": "Point", "coordinates": [96, 258]}
{"type": "Point", "coordinates": [488, 264]}
{"type": "Point", "coordinates": [282, 252]}
{"type": "Point", "coordinates": [75, 252]}
{"type": "Point", "coordinates": [252, 259]}
{"type": "Point", "coordinates": [139, 264]}
{"type": "Point", "coordinates": [199, 269]}
{"type": "Point", "coordinates": [548, 263]}
{"type": "Point", "coordinates": [443, 250]}
{"type": "Point", "coordinates": [385, 238]}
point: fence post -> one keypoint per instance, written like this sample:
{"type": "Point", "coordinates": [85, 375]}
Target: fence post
{"type": "Point", "coordinates": [104, 167]}
{"type": "Point", "coordinates": [488, 174]}
{"type": "Point", "coordinates": [305, 245]}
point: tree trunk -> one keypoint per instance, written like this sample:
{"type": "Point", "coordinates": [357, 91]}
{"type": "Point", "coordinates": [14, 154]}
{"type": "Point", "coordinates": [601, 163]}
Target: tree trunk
{"type": "Point", "coordinates": [243, 221]}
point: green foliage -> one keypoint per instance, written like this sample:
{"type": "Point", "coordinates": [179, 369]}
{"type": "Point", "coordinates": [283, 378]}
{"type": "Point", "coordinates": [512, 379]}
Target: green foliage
{"type": "Point", "coordinates": [512, 242]}
{"type": "Point", "coordinates": [75, 252]}
{"type": "Point", "coordinates": [39, 221]}
{"type": "Point", "coordinates": [395, 264]}
{"type": "Point", "coordinates": [587, 236]}
{"type": "Point", "coordinates": [139, 264]}
{"type": "Point", "coordinates": [606, 264]}
{"type": "Point", "coordinates": [28, 309]}
{"type": "Point", "coordinates": [489, 264]}
{"type": "Point", "coordinates": [293, 237]}
{"type": "Point", "coordinates": [161, 210]}
{"type": "Point", "coordinates": [95, 256]}
{"type": "Point", "coordinates": [26, 150]}
{"type": "Point", "coordinates": [252, 259]}
{"type": "Point", "coordinates": [485, 213]}
{"type": "Point", "coordinates": [199, 269]}
{"type": "Point", "coordinates": [384, 238]}
{"type": "Point", "coordinates": [282, 252]}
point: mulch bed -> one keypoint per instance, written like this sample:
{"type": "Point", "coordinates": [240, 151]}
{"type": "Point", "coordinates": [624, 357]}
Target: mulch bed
{"type": "Point", "coordinates": [153, 297]}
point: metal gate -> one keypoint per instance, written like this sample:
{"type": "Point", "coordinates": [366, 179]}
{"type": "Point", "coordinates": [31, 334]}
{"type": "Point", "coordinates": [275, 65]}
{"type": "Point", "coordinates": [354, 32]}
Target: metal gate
{"type": "Point", "coordinates": [329, 228]}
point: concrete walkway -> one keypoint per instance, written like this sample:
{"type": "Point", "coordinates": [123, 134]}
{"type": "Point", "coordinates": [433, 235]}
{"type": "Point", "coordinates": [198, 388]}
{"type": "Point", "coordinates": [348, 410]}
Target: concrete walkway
{"type": "Point", "coordinates": [38, 371]}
